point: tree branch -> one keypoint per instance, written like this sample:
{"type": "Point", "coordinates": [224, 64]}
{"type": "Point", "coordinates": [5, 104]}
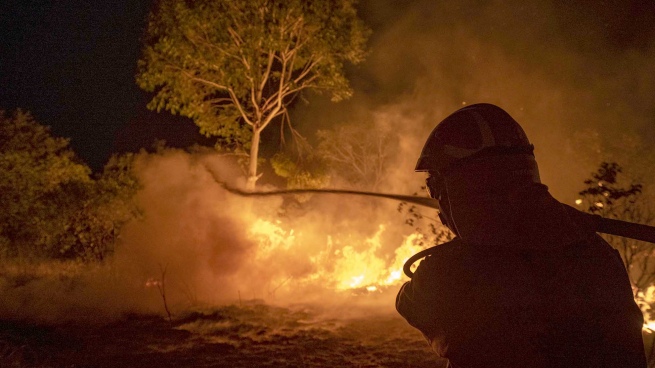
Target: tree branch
{"type": "Point", "coordinates": [267, 73]}
{"type": "Point", "coordinates": [307, 69]}
{"type": "Point", "coordinates": [235, 99]}
{"type": "Point", "coordinates": [205, 41]}
{"type": "Point", "coordinates": [204, 81]}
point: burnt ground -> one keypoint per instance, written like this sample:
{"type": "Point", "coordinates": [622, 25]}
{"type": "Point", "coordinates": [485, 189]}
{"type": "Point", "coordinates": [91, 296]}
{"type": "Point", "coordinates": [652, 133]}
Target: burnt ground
{"type": "Point", "coordinates": [253, 335]}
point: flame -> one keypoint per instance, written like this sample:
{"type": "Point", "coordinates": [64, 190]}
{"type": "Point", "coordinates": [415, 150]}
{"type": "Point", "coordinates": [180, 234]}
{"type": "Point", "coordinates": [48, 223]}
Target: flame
{"type": "Point", "coordinates": [645, 299]}
{"type": "Point", "coordinates": [341, 262]}
{"type": "Point", "coordinates": [271, 237]}
{"type": "Point", "coordinates": [348, 262]}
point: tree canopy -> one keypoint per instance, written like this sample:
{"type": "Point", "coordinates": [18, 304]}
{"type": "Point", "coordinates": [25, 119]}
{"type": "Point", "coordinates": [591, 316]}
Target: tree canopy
{"type": "Point", "coordinates": [234, 66]}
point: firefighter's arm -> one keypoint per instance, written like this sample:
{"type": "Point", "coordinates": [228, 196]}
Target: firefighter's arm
{"type": "Point", "coordinates": [418, 304]}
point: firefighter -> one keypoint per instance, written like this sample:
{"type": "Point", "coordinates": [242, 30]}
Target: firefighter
{"type": "Point", "coordinates": [526, 282]}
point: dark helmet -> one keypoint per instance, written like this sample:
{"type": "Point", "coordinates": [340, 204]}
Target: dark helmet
{"type": "Point", "coordinates": [473, 131]}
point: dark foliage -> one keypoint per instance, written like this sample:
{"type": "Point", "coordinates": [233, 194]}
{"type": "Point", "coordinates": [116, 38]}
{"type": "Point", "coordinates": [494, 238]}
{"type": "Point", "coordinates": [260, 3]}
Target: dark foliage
{"type": "Point", "coordinates": [610, 193]}
{"type": "Point", "coordinates": [604, 190]}
{"type": "Point", "coordinates": [50, 206]}
{"type": "Point", "coordinates": [430, 227]}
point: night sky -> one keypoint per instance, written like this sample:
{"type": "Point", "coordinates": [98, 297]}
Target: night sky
{"type": "Point", "coordinates": [72, 64]}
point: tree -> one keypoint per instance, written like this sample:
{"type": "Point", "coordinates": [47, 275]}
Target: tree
{"type": "Point", "coordinates": [33, 167]}
{"type": "Point", "coordinates": [93, 215]}
{"type": "Point", "coordinates": [50, 206]}
{"type": "Point", "coordinates": [234, 66]}
{"type": "Point", "coordinates": [309, 172]}
{"type": "Point", "coordinates": [358, 154]}
{"type": "Point", "coordinates": [610, 194]}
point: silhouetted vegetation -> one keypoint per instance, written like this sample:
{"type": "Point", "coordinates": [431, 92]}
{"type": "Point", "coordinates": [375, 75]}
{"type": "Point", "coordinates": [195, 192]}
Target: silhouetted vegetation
{"type": "Point", "coordinates": [611, 194]}
{"type": "Point", "coordinates": [50, 204]}
{"type": "Point", "coordinates": [358, 153]}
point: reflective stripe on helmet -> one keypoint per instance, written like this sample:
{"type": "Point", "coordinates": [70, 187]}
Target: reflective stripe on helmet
{"type": "Point", "coordinates": [471, 131]}
{"type": "Point", "coordinates": [488, 140]}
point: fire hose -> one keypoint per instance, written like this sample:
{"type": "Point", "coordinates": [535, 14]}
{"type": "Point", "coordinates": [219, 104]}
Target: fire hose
{"type": "Point", "coordinates": [602, 225]}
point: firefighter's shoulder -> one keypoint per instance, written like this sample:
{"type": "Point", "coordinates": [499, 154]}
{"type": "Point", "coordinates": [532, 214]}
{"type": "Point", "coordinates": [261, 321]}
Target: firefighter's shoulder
{"type": "Point", "coordinates": [444, 254]}
{"type": "Point", "coordinates": [450, 248]}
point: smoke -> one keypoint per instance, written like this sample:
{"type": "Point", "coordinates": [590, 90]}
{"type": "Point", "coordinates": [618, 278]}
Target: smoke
{"type": "Point", "coordinates": [188, 228]}
{"type": "Point", "coordinates": [189, 243]}
{"type": "Point", "coordinates": [565, 71]}
{"type": "Point", "coordinates": [201, 245]}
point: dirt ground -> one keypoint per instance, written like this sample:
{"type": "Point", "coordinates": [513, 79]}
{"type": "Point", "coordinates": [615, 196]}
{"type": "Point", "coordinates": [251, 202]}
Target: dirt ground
{"type": "Point", "coordinates": [249, 335]}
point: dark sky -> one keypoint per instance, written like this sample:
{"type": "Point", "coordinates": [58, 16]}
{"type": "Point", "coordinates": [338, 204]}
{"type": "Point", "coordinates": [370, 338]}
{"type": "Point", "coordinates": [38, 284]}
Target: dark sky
{"type": "Point", "coordinates": [72, 62]}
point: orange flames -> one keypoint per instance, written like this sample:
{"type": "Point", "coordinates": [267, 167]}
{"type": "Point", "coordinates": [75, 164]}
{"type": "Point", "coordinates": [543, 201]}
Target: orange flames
{"type": "Point", "coordinates": [340, 262]}
{"type": "Point", "coordinates": [645, 299]}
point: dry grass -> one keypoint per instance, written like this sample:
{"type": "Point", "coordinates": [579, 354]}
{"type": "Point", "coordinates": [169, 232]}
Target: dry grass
{"type": "Point", "coordinates": [253, 335]}
{"type": "Point", "coordinates": [19, 272]}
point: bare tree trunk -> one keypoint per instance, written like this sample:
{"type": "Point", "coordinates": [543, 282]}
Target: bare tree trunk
{"type": "Point", "coordinates": [252, 163]}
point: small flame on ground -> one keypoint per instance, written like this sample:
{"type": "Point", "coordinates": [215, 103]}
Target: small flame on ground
{"type": "Point", "coordinates": [645, 299]}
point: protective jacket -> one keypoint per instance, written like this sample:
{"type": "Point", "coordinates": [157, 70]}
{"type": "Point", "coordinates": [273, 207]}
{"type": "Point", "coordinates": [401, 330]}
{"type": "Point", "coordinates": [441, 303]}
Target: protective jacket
{"type": "Point", "coordinates": [531, 285]}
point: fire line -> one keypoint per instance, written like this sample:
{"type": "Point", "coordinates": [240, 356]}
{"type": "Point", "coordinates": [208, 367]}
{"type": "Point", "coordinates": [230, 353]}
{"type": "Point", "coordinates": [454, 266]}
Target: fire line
{"type": "Point", "coordinates": [601, 224]}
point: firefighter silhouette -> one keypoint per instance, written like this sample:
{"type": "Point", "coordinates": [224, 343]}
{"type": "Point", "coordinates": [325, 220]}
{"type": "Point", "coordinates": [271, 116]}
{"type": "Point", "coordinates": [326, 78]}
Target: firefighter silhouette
{"type": "Point", "coordinates": [526, 282]}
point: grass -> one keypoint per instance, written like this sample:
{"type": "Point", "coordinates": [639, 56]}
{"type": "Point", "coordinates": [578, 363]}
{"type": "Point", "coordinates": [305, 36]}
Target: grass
{"type": "Point", "coordinates": [250, 335]}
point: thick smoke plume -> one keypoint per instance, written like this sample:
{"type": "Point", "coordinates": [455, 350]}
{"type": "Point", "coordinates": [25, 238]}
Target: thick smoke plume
{"type": "Point", "coordinates": [580, 78]}
{"type": "Point", "coordinates": [188, 239]}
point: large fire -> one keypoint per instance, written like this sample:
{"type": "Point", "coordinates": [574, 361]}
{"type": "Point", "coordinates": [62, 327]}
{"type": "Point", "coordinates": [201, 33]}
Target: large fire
{"type": "Point", "coordinates": [342, 262]}
{"type": "Point", "coordinates": [343, 265]}
{"type": "Point", "coordinates": [218, 244]}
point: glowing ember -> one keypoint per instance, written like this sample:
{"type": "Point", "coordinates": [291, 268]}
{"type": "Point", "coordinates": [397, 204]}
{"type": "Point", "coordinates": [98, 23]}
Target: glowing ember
{"type": "Point", "coordinates": [152, 282]}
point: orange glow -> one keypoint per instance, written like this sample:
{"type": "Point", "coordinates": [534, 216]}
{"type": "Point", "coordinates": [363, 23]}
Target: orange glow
{"type": "Point", "coordinates": [341, 262]}
{"type": "Point", "coordinates": [348, 262]}
{"type": "Point", "coordinates": [645, 299]}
